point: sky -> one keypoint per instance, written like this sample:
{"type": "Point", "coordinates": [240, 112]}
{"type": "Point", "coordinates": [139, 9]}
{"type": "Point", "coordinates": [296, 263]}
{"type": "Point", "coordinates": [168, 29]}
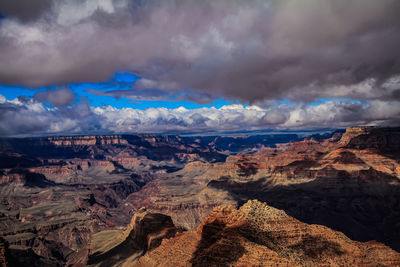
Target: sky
{"type": "Point", "coordinates": [184, 66]}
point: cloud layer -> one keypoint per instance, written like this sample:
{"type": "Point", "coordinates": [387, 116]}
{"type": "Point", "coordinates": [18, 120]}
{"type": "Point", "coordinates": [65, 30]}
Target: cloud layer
{"type": "Point", "coordinates": [258, 52]}
{"type": "Point", "coordinates": [250, 51]}
{"type": "Point", "coordinates": [25, 117]}
{"type": "Point", "coordinates": [61, 96]}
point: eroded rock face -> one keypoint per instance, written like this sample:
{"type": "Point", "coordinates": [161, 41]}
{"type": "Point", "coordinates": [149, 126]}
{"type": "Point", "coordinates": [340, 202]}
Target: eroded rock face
{"type": "Point", "coordinates": [384, 140]}
{"type": "Point", "coordinates": [144, 233]}
{"type": "Point", "coordinates": [355, 191]}
{"type": "Point", "coordinates": [353, 132]}
{"type": "Point", "coordinates": [259, 235]}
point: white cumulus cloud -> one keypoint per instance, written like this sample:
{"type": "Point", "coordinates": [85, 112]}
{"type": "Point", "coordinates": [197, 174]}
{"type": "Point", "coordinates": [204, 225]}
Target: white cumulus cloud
{"type": "Point", "coordinates": [25, 117]}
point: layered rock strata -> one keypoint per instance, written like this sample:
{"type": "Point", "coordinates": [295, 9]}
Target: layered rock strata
{"type": "Point", "coordinates": [259, 235]}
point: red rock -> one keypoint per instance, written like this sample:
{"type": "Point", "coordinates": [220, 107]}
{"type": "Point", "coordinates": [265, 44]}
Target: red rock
{"type": "Point", "coordinates": [259, 235]}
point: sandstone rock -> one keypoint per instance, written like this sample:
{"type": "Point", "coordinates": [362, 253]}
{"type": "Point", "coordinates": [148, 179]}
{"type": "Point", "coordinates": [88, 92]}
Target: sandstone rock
{"type": "Point", "coordinates": [259, 235]}
{"type": "Point", "coordinates": [383, 140]}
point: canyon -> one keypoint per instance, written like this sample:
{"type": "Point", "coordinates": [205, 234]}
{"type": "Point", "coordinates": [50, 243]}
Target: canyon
{"type": "Point", "coordinates": [68, 200]}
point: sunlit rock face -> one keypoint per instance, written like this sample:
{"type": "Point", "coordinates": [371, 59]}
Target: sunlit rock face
{"type": "Point", "coordinates": [352, 132]}
{"type": "Point", "coordinates": [260, 235]}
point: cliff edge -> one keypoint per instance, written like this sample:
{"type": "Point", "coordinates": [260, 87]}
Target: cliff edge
{"type": "Point", "coordinates": [260, 235]}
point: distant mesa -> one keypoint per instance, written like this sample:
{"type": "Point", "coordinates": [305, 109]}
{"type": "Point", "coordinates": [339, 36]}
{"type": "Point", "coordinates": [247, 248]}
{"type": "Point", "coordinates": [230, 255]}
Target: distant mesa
{"type": "Point", "coordinates": [88, 140]}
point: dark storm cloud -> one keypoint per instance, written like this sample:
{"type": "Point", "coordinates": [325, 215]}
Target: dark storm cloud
{"type": "Point", "coordinates": [247, 50]}
{"type": "Point", "coordinates": [154, 94]}
{"type": "Point", "coordinates": [25, 10]}
{"type": "Point", "coordinates": [150, 94]}
{"type": "Point", "coordinates": [59, 97]}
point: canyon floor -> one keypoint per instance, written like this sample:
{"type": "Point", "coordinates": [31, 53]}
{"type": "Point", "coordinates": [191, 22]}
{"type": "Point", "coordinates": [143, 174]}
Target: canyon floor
{"type": "Point", "coordinates": [323, 200]}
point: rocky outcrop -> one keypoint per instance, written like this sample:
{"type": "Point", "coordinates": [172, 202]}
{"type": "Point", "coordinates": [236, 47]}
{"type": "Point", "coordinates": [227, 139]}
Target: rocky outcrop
{"type": "Point", "coordinates": [144, 233]}
{"type": "Point", "coordinates": [259, 235]}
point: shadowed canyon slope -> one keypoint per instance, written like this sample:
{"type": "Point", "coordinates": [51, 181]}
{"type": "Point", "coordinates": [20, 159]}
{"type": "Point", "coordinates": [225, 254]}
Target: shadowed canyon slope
{"type": "Point", "coordinates": [60, 196]}
{"type": "Point", "coordinates": [144, 233]}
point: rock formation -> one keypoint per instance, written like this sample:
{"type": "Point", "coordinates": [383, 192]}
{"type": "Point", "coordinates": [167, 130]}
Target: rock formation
{"type": "Point", "coordinates": [259, 235]}
{"type": "Point", "coordinates": [143, 234]}
{"type": "Point", "coordinates": [384, 140]}
{"type": "Point", "coordinates": [353, 132]}
{"type": "Point", "coordinates": [353, 190]}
